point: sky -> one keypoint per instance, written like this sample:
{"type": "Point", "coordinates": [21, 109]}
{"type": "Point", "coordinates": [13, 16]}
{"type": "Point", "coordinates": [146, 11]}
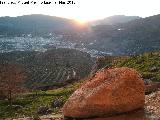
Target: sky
{"type": "Point", "coordinates": [83, 10]}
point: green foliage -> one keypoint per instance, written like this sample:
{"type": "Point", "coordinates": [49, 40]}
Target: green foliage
{"type": "Point", "coordinates": [31, 101]}
{"type": "Point", "coordinates": [147, 64]}
{"type": "Point", "coordinates": [36, 117]}
{"type": "Point", "coordinates": [54, 68]}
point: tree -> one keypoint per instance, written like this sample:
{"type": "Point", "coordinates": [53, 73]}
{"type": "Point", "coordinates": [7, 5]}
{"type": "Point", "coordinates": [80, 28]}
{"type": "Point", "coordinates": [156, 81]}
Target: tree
{"type": "Point", "coordinates": [11, 79]}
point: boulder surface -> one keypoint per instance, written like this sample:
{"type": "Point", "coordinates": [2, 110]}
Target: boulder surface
{"type": "Point", "coordinates": [110, 92]}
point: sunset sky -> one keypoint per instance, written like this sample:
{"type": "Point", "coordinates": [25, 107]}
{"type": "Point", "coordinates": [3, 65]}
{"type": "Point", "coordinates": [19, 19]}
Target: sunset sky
{"type": "Point", "coordinates": [85, 10]}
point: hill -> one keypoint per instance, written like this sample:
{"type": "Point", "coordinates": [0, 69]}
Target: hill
{"type": "Point", "coordinates": [35, 24]}
{"type": "Point", "coordinates": [116, 19]}
{"type": "Point", "coordinates": [51, 69]}
{"type": "Point", "coordinates": [134, 37]}
{"type": "Point", "coordinates": [123, 35]}
{"type": "Point", "coordinates": [130, 36]}
{"type": "Point", "coordinates": [148, 64]}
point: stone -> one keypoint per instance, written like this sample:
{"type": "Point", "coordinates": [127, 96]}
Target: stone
{"type": "Point", "coordinates": [152, 105]}
{"type": "Point", "coordinates": [52, 117]}
{"type": "Point", "coordinates": [110, 92]}
{"type": "Point", "coordinates": [134, 115]}
{"type": "Point", "coordinates": [56, 104]}
{"type": "Point", "coordinates": [152, 87]}
{"type": "Point", "coordinates": [17, 107]}
{"type": "Point", "coordinates": [147, 81]}
{"type": "Point", "coordinates": [43, 110]}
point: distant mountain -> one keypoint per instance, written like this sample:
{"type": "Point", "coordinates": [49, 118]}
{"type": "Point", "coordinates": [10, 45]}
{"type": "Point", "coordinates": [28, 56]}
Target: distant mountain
{"type": "Point", "coordinates": [134, 37]}
{"type": "Point", "coordinates": [34, 24]}
{"type": "Point", "coordinates": [53, 68]}
{"type": "Point", "coordinates": [113, 20]}
{"type": "Point", "coordinates": [120, 35]}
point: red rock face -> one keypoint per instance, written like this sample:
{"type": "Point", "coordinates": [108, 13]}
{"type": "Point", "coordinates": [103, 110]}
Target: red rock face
{"type": "Point", "coordinates": [109, 92]}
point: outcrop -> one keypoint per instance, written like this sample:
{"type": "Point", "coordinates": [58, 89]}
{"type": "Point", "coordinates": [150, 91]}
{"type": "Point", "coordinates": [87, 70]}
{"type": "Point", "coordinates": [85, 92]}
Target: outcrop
{"type": "Point", "coordinates": [110, 92]}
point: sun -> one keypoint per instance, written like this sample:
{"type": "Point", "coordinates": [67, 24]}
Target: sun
{"type": "Point", "coordinates": [81, 21]}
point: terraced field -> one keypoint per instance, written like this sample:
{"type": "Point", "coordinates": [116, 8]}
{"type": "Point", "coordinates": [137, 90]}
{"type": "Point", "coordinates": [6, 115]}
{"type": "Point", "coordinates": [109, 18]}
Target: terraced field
{"type": "Point", "coordinates": [50, 69]}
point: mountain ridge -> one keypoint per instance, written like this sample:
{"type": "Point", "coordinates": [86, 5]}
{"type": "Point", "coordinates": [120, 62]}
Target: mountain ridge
{"type": "Point", "coordinates": [134, 37]}
{"type": "Point", "coordinates": [35, 24]}
{"type": "Point", "coordinates": [115, 19]}
{"type": "Point", "coordinates": [129, 38]}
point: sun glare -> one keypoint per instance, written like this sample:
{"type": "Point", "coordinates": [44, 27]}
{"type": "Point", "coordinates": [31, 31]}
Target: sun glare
{"type": "Point", "coordinates": [80, 21]}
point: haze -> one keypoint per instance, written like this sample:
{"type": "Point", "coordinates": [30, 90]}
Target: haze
{"type": "Point", "coordinates": [87, 10]}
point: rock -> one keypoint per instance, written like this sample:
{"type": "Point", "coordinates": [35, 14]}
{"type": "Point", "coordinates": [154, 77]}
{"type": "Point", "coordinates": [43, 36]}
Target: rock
{"type": "Point", "coordinates": [17, 107]}
{"type": "Point", "coordinates": [153, 69]}
{"type": "Point", "coordinates": [56, 104]}
{"type": "Point", "coordinates": [43, 110]}
{"type": "Point", "coordinates": [147, 81]}
{"type": "Point", "coordinates": [152, 87]}
{"type": "Point", "coordinates": [24, 118]}
{"type": "Point", "coordinates": [152, 105]}
{"type": "Point", "coordinates": [134, 115]}
{"type": "Point", "coordinates": [52, 117]}
{"type": "Point", "coordinates": [109, 92]}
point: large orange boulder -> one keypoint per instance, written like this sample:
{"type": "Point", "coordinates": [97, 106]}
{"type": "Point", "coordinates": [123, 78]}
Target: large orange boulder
{"type": "Point", "coordinates": [109, 92]}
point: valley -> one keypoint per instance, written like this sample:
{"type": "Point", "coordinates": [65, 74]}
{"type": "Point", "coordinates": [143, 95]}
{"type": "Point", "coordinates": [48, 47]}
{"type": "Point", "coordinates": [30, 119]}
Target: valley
{"type": "Point", "coordinates": [42, 44]}
{"type": "Point", "coordinates": [53, 57]}
{"type": "Point", "coordinates": [29, 102]}
{"type": "Point", "coordinates": [130, 36]}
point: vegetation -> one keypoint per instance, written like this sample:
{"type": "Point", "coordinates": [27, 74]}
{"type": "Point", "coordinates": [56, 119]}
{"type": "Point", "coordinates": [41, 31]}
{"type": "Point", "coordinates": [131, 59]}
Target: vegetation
{"type": "Point", "coordinates": [35, 24]}
{"type": "Point", "coordinates": [59, 67]}
{"type": "Point", "coordinates": [30, 102]}
{"type": "Point", "coordinates": [43, 70]}
{"type": "Point", "coordinates": [148, 64]}
{"type": "Point", "coordinates": [130, 38]}
{"type": "Point", "coordinates": [11, 79]}
{"type": "Point", "coordinates": [116, 19]}
{"type": "Point", "coordinates": [53, 68]}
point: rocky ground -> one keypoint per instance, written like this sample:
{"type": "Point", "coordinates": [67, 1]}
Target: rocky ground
{"type": "Point", "coordinates": [52, 116]}
{"type": "Point", "coordinates": [152, 105]}
{"type": "Point", "coordinates": [152, 111]}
